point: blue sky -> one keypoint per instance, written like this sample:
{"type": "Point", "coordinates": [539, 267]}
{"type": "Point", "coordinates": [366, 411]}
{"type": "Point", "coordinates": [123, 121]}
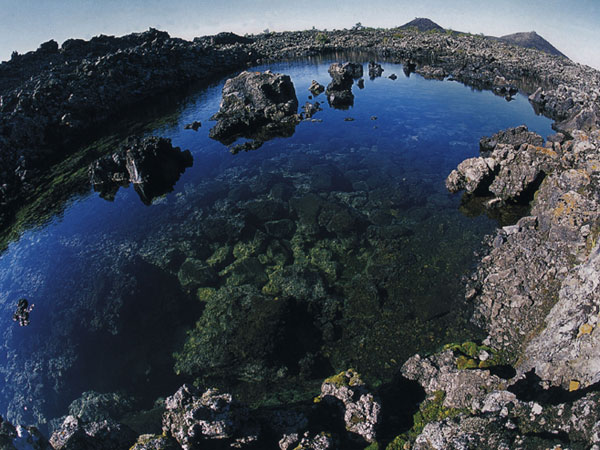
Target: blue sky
{"type": "Point", "coordinates": [571, 26]}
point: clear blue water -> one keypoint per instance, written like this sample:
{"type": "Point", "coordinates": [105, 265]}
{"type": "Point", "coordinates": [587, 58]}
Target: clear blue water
{"type": "Point", "coordinates": [373, 278]}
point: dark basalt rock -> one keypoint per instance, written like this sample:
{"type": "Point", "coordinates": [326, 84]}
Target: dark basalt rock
{"type": "Point", "coordinates": [21, 314]}
{"type": "Point", "coordinates": [310, 109]}
{"type": "Point", "coordinates": [153, 165]}
{"type": "Point", "coordinates": [19, 438]}
{"type": "Point", "coordinates": [227, 38]}
{"type": "Point", "coordinates": [258, 106]}
{"type": "Point", "coordinates": [339, 71]}
{"type": "Point", "coordinates": [375, 70]}
{"type": "Point", "coordinates": [339, 91]}
{"type": "Point", "coordinates": [316, 88]}
{"type": "Point", "coordinates": [75, 434]}
{"type": "Point", "coordinates": [193, 126]}
{"type": "Point", "coordinates": [393, 76]}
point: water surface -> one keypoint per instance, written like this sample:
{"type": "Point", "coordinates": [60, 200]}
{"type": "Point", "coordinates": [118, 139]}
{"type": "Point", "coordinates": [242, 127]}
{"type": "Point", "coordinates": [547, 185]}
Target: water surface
{"type": "Point", "coordinates": [262, 272]}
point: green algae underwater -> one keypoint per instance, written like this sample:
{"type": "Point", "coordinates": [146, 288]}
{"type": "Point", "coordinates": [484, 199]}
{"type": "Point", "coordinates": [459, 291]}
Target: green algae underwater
{"type": "Point", "coordinates": [261, 273]}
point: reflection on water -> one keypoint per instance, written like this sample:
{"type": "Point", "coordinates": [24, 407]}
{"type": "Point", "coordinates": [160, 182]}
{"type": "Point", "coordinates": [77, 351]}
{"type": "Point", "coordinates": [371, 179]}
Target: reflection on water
{"type": "Point", "coordinates": [262, 272]}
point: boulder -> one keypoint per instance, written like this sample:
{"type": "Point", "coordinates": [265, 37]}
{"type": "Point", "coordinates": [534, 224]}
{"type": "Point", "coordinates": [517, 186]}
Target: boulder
{"type": "Point", "coordinates": [375, 70]}
{"type": "Point", "coordinates": [21, 438]}
{"type": "Point", "coordinates": [152, 164]}
{"type": "Point", "coordinates": [315, 88]}
{"type": "Point", "coordinates": [155, 442]}
{"type": "Point", "coordinates": [361, 408]}
{"type": "Point", "coordinates": [256, 105]}
{"type": "Point", "coordinates": [193, 418]}
{"type": "Point", "coordinates": [339, 71]}
{"type": "Point", "coordinates": [75, 434]}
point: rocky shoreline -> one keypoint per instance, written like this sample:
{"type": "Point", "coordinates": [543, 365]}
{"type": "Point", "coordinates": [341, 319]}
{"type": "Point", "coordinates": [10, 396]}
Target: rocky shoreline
{"type": "Point", "coordinates": [536, 292]}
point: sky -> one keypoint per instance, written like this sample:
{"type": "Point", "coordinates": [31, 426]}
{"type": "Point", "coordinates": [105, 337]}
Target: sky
{"type": "Point", "coordinates": [572, 26]}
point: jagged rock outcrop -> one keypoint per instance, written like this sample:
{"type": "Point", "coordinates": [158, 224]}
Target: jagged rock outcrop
{"type": "Point", "coordinates": [257, 106]}
{"type": "Point", "coordinates": [316, 88]}
{"type": "Point", "coordinates": [193, 418]}
{"type": "Point", "coordinates": [441, 372]}
{"type": "Point", "coordinates": [512, 165]}
{"type": "Point", "coordinates": [21, 438]}
{"type": "Point", "coordinates": [75, 434]}
{"type": "Point", "coordinates": [155, 442]}
{"type": "Point", "coordinates": [339, 91]}
{"type": "Point", "coordinates": [520, 279]}
{"type": "Point", "coordinates": [320, 441]}
{"type": "Point", "coordinates": [375, 70]}
{"type": "Point", "coordinates": [361, 408]}
{"type": "Point", "coordinates": [52, 98]}
{"type": "Point", "coordinates": [152, 164]}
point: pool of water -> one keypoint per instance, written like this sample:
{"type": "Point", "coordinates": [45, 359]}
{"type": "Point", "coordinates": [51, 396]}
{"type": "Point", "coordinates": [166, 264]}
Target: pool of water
{"type": "Point", "coordinates": [261, 272]}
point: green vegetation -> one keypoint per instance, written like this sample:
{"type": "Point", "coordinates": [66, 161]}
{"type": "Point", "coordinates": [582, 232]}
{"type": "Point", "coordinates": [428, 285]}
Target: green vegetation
{"type": "Point", "coordinates": [431, 410]}
{"type": "Point", "coordinates": [469, 355]}
{"type": "Point", "coordinates": [321, 39]}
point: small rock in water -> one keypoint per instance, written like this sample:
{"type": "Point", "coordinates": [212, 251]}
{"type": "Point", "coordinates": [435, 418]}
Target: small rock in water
{"type": "Point", "coordinates": [349, 119]}
{"type": "Point", "coordinates": [393, 76]}
{"type": "Point", "coordinates": [193, 126]}
{"type": "Point", "coordinates": [21, 314]}
{"type": "Point", "coordinates": [375, 70]}
{"type": "Point", "coordinates": [373, 117]}
{"type": "Point", "coordinates": [316, 88]}
{"type": "Point", "coordinates": [361, 83]}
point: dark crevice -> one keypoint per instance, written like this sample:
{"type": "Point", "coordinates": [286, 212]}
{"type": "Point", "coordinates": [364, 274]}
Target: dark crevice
{"type": "Point", "coordinates": [530, 389]}
{"type": "Point", "coordinates": [526, 196]}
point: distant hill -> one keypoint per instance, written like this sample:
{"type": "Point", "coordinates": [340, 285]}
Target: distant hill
{"type": "Point", "coordinates": [422, 24]}
{"type": "Point", "coordinates": [531, 40]}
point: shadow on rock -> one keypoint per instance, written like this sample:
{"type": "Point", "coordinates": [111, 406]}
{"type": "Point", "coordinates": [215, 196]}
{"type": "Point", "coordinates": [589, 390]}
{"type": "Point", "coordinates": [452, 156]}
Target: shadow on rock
{"type": "Point", "coordinates": [258, 106]}
{"type": "Point", "coordinates": [339, 91]}
{"type": "Point", "coordinates": [153, 165]}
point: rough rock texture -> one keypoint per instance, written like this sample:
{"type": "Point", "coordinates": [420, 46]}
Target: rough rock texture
{"type": "Point", "coordinates": [51, 98]}
{"type": "Point", "coordinates": [193, 418]}
{"type": "Point", "coordinates": [256, 105]}
{"type": "Point", "coordinates": [440, 373]}
{"type": "Point", "coordinates": [315, 88]}
{"type": "Point", "coordinates": [21, 438]}
{"type": "Point", "coordinates": [320, 441]}
{"type": "Point", "coordinates": [361, 408]}
{"type": "Point", "coordinates": [339, 91]}
{"type": "Point", "coordinates": [75, 434]}
{"type": "Point", "coordinates": [512, 165]}
{"type": "Point", "coordinates": [519, 281]}
{"type": "Point", "coordinates": [375, 70]}
{"type": "Point", "coordinates": [155, 442]}
{"type": "Point", "coordinates": [152, 164]}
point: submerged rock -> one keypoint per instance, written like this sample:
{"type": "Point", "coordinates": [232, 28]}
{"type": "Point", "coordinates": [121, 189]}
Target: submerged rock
{"type": "Point", "coordinates": [21, 438]}
{"type": "Point", "coordinates": [256, 105]}
{"type": "Point", "coordinates": [152, 164]}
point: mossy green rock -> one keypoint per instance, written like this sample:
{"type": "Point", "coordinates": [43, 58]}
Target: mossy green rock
{"type": "Point", "coordinates": [196, 272]}
{"type": "Point", "coordinates": [155, 442]}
